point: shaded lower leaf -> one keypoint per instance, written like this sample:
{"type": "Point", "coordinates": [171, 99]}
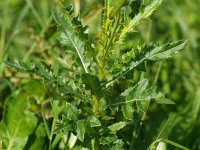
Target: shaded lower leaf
{"type": "Point", "coordinates": [62, 126]}
{"type": "Point", "coordinates": [143, 105]}
{"type": "Point", "coordinates": [127, 110]}
{"type": "Point", "coordinates": [71, 111]}
{"type": "Point", "coordinates": [92, 83]}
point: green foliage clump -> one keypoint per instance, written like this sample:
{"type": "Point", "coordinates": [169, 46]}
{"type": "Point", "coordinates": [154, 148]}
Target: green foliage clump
{"type": "Point", "coordinates": [96, 99]}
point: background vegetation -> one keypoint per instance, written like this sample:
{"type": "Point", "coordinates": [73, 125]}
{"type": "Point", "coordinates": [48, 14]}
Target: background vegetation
{"type": "Point", "coordinates": [28, 32]}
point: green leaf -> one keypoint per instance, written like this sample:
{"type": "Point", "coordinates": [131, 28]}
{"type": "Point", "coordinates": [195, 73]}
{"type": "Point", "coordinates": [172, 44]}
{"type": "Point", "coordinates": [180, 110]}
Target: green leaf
{"type": "Point", "coordinates": [72, 112]}
{"type": "Point", "coordinates": [48, 76]}
{"type": "Point", "coordinates": [17, 123]}
{"type": "Point", "coordinates": [146, 12]}
{"type": "Point", "coordinates": [118, 145]}
{"type": "Point", "coordinates": [128, 110]}
{"type": "Point", "coordinates": [38, 69]}
{"type": "Point", "coordinates": [136, 90]}
{"type": "Point", "coordinates": [108, 139]}
{"type": "Point", "coordinates": [80, 130]}
{"type": "Point", "coordinates": [81, 32]}
{"type": "Point", "coordinates": [142, 96]}
{"type": "Point", "coordinates": [92, 83]}
{"type": "Point", "coordinates": [165, 51]}
{"type": "Point", "coordinates": [20, 66]}
{"type": "Point", "coordinates": [79, 29]}
{"type": "Point", "coordinates": [139, 92]}
{"type": "Point", "coordinates": [64, 125]}
{"type": "Point", "coordinates": [93, 121]}
{"type": "Point", "coordinates": [150, 53]}
{"type": "Point", "coordinates": [135, 8]}
{"type": "Point", "coordinates": [39, 139]}
{"type": "Point", "coordinates": [117, 126]}
{"type": "Point", "coordinates": [143, 105]}
{"type": "Point", "coordinates": [69, 38]}
{"type": "Point", "coordinates": [163, 100]}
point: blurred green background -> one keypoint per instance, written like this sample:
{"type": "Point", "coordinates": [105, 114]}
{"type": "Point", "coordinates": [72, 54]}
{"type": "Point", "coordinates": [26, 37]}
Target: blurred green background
{"type": "Point", "coordinates": [28, 32]}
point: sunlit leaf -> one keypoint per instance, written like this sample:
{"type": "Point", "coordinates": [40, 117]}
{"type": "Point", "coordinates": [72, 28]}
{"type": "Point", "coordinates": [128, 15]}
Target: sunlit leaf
{"type": "Point", "coordinates": [67, 37]}
{"type": "Point", "coordinates": [93, 121]}
{"type": "Point", "coordinates": [80, 130]}
{"type": "Point", "coordinates": [117, 126]}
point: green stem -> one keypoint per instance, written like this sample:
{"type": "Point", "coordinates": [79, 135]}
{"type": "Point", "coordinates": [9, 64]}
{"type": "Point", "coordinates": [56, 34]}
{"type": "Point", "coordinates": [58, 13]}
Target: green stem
{"type": "Point", "coordinates": [95, 142]}
{"type": "Point", "coordinates": [54, 105]}
{"type": "Point", "coordinates": [95, 105]}
{"type": "Point", "coordinates": [109, 44]}
{"type": "Point", "coordinates": [157, 73]}
{"type": "Point", "coordinates": [51, 133]}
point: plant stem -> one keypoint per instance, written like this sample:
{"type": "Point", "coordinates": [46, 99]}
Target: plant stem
{"type": "Point", "coordinates": [95, 142]}
{"type": "Point", "coordinates": [51, 133]}
{"type": "Point", "coordinates": [110, 39]}
{"type": "Point", "coordinates": [95, 105]}
{"type": "Point", "coordinates": [54, 105]}
{"type": "Point", "coordinates": [157, 73]}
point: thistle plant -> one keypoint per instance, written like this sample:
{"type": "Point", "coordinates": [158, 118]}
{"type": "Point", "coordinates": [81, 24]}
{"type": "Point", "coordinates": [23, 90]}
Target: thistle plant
{"type": "Point", "coordinates": [96, 99]}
